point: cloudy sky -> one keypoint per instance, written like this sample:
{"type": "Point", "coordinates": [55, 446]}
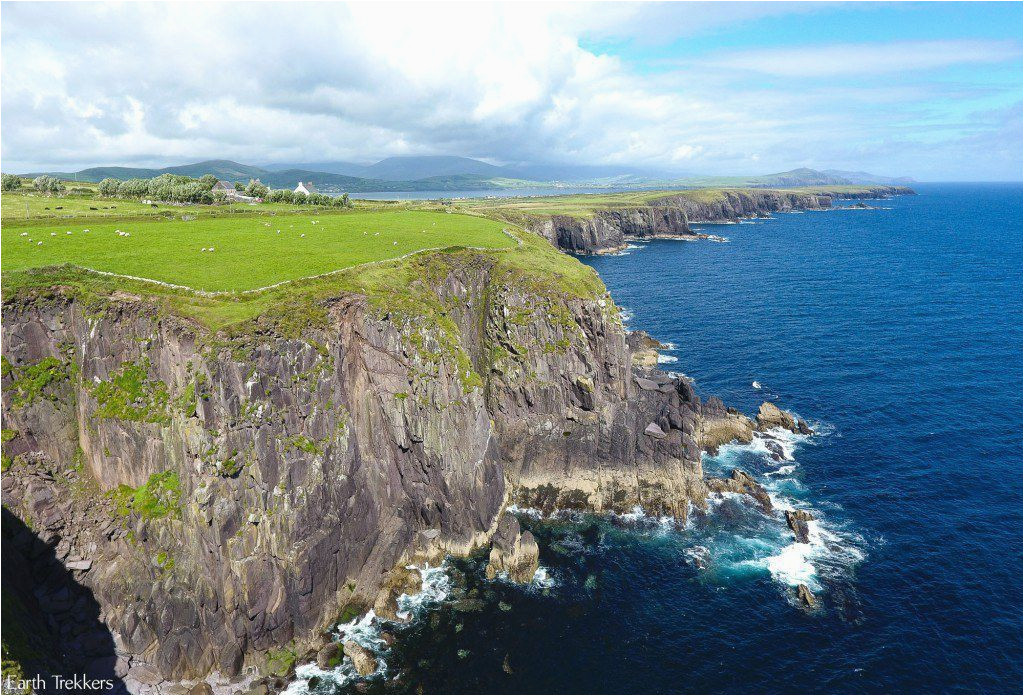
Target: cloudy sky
{"type": "Point", "coordinates": [932, 91]}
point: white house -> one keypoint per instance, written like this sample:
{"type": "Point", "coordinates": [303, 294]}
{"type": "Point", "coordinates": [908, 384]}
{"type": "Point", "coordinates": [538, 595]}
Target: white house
{"type": "Point", "coordinates": [306, 188]}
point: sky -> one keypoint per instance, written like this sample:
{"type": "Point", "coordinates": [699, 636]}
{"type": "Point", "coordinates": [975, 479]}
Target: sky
{"type": "Point", "coordinates": [928, 90]}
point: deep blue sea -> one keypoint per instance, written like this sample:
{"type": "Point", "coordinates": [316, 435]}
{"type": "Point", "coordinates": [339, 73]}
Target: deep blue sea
{"type": "Point", "coordinates": [897, 333]}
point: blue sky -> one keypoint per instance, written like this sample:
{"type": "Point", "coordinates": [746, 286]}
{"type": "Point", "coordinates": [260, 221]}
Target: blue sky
{"type": "Point", "coordinates": [929, 90]}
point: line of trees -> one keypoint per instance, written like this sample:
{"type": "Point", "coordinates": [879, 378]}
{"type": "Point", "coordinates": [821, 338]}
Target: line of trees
{"type": "Point", "coordinates": [175, 188]}
{"type": "Point", "coordinates": [178, 188]}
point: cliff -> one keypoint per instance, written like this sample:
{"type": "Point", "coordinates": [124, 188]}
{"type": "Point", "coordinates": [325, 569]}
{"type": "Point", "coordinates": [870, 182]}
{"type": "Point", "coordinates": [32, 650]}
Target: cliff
{"type": "Point", "coordinates": [607, 228]}
{"type": "Point", "coordinates": [212, 500]}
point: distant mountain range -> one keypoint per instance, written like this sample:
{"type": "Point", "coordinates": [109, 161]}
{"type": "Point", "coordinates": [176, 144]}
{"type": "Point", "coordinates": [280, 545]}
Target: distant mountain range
{"type": "Point", "coordinates": [443, 173]}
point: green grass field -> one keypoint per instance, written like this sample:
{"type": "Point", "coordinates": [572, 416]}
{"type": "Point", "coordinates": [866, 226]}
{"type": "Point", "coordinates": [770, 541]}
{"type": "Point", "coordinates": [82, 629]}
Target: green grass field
{"type": "Point", "coordinates": [586, 205]}
{"type": "Point", "coordinates": [248, 252]}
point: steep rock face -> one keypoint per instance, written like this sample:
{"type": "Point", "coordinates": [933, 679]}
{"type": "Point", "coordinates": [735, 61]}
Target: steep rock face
{"type": "Point", "coordinates": [732, 205]}
{"type": "Point", "coordinates": [607, 231]}
{"type": "Point", "coordinates": [231, 494]}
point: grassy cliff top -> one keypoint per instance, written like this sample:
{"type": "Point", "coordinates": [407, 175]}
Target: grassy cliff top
{"type": "Point", "coordinates": [586, 205]}
{"type": "Point", "coordinates": [267, 262]}
{"type": "Point", "coordinates": [244, 253]}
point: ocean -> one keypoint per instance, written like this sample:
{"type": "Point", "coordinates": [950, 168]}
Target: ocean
{"type": "Point", "coordinates": [897, 333]}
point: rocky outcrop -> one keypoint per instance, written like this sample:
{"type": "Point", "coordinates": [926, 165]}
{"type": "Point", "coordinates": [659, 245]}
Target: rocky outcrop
{"type": "Point", "coordinates": [797, 521]}
{"type": "Point", "coordinates": [363, 660]}
{"type": "Point", "coordinates": [644, 348]}
{"type": "Point", "coordinates": [771, 416]}
{"type": "Point", "coordinates": [514, 553]}
{"type": "Point", "coordinates": [805, 596]}
{"type": "Point", "coordinates": [608, 231]}
{"type": "Point", "coordinates": [742, 482]}
{"type": "Point", "coordinates": [224, 497]}
{"type": "Point", "coordinates": [401, 581]}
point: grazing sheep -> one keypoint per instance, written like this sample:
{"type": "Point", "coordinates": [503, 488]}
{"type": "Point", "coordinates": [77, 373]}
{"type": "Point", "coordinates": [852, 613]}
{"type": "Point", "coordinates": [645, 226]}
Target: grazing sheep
{"type": "Point", "coordinates": [211, 248]}
{"type": "Point", "coordinates": [303, 234]}
{"type": "Point", "coordinates": [25, 234]}
{"type": "Point", "coordinates": [53, 234]}
{"type": "Point", "coordinates": [203, 249]}
{"type": "Point", "coordinates": [39, 243]}
{"type": "Point", "coordinates": [394, 243]}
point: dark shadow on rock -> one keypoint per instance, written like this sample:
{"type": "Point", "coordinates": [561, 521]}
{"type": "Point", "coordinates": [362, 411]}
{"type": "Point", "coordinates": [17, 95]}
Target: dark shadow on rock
{"type": "Point", "coordinates": [51, 623]}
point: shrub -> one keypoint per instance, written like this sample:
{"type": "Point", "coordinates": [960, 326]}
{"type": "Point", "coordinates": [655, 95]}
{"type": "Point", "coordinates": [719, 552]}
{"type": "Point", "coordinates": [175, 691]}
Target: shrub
{"type": "Point", "coordinates": [48, 184]}
{"type": "Point", "coordinates": [298, 197]}
{"type": "Point", "coordinates": [208, 181]}
{"type": "Point", "coordinates": [108, 187]}
{"type": "Point", "coordinates": [133, 188]}
{"type": "Point", "coordinates": [256, 189]}
{"type": "Point", "coordinates": [11, 182]}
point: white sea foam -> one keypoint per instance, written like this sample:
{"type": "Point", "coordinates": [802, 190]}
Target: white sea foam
{"type": "Point", "coordinates": [435, 588]}
{"type": "Point", "coordinates": [543, 579]}
{"type": "Point", "coordinates": [662, 358]}
{"type": "Point", "coordinates": [755, 384]}
{"type": "Point", "coordinates": [365, 630]}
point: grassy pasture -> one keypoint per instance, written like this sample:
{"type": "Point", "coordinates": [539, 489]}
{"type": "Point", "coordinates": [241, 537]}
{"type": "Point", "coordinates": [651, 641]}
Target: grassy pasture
{"type": "Point", "coordinates": [249, 252]}
{"type": "Point", "coordinates": [586, 205]}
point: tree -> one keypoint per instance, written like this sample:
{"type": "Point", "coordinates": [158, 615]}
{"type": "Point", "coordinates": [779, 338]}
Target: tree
{"type": "Point", "coordinates": [219, 197]}
{"type": "Point", "coordinates": [133, 188]}
{"type": "Point", "coordinates": [256, 189]}
{"type": "Point", "coordinates": [11, 182]}
{"type": "Point", "coordinates": [208, 181]}
{"type": "Point", "coordinates": [239, 186]}
{"type": "Point", "coordinates": [345, 200]}
{"type": "Point", "coordinates": [108, 187]}
{"type": "Point", "coordinates": [298, 197]}
{"type": "Point", "coordinates": [48, 184]}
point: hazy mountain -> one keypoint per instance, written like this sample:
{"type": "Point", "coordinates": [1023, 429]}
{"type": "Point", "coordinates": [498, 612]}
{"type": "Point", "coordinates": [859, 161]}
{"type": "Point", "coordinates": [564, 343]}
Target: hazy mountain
{"type": "Point", "coordinates": [414, 167]}
{"type": "Point", "coordinates": [463, 173]}
{"type": "Point", "coordinates": [411, 168]}
{"type": "Point", "coordinates": [866, 178]}
{"type": "Point", "coordinates": [344, 168]}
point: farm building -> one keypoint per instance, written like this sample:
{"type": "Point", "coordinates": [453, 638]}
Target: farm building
{"type": "Point", "coordinates": [306, 188]}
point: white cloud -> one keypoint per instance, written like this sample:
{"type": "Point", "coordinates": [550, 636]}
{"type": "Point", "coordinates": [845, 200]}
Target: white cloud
{"type": "Point", "coordinates": [158, 83]}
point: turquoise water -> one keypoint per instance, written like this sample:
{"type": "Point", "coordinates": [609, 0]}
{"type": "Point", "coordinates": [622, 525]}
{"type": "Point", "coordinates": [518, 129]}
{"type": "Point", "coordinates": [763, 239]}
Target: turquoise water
{"type": "Point", "coordinates": [897, 333]}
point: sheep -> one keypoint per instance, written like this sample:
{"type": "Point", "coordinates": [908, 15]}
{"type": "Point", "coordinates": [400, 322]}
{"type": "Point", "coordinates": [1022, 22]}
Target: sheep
{"type": "Point", "coordinates": [203, 249]}
{"type": "Point", "coordinates": [39, 243]}
{"type": "Point", "coordinates": [303, 234]}
{"type": "Point", "coordinates": [53, 234]}
{"type": "Point", "coordinates": [211, 248]}
{"type": "Point", "coordinates": [394, 243]}
{"type": "Point", "coordinates": [25, 234]}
